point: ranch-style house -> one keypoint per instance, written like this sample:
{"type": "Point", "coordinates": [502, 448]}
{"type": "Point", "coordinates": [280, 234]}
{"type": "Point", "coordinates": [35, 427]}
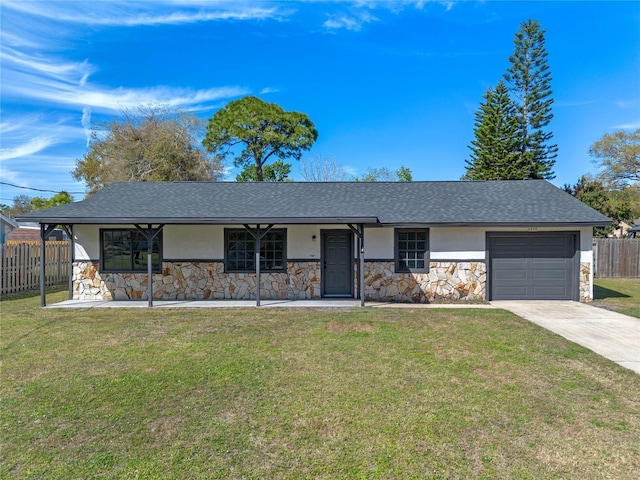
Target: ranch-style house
{"type": "Point", "coordinates": [389, 241]}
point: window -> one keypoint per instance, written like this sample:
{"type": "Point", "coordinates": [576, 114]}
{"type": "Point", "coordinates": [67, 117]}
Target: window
{"type": "Point", "coordinates": [412, 250]}
{"type": "Point", "coordinates": [125, 250]}
{"type": "Point", "coordinates": [240, 250]}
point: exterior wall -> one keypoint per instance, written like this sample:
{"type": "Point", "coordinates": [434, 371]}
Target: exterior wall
{"type": "Point", "coordinates": [196, 281]}
{"type": "Point", "coordinates": [586, 264]}
{"type": "Point", "coordinates": [586, 282]}
{"type": "Point", "coordinates": [460, 243]}
{"type": "Point", "coordinates": [445, 282]}
{"type": "Point", "coordinates": [193, 266]}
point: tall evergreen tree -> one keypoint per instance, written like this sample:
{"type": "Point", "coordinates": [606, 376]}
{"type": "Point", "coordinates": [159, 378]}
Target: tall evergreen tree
{"type": "Point", "coordinates": [494, 151]}
{"type": "Point", "coordinates": [529, 78]}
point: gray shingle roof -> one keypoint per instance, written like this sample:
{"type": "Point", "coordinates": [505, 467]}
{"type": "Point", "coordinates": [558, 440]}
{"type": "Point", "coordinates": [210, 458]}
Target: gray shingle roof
{"type": "Point", "coordinates": [528, 202]}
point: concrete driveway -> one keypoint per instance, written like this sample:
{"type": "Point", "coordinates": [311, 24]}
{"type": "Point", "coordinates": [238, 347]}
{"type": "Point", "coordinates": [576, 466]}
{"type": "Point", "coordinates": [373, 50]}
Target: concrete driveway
{"type": "Point", "coordinates": [610, 334]}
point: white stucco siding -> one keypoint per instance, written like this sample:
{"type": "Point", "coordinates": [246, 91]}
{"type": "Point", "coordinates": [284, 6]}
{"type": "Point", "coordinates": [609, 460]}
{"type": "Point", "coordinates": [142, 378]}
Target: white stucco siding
{"type": "Point", "coordinates": [379, 243]}
{"type": "Point", "coordinates": [193, 242]}
{"type": "Point", "coordinates": [586, 245]}
{"type": "Point", "coordinates": [202, 242]}
{"type": "Point", "coordinates": [207, 241]}
{"type": "Point", "coordinates": [87, 242]}
{"type": "Point", "coordinates": [303, 241]}
{"type": "Point", "coordinates": [469, 243]}
{"type": "Point", "coordinates": [586, 253]}
{"type": "Point", "coordinates": [457, 243]}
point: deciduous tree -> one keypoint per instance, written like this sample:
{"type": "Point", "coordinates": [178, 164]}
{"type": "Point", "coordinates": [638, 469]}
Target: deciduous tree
{"type": "Point", "coordinates": [592, 192]}
{"type": "Point", "coordinates": [21, 204]}
{"type": "Point", "coordinates": [318, 169]}
{"type": "Point", "coordinates": [60, 198]}
{"type": "Point", "coordinates": [151, 143]}
{"type": "Point", "coordinates": [618, 154]}
{"type": "Point", "coordinates": [384, 174]}
{"type": "Point", "coordinates": [256, 132]}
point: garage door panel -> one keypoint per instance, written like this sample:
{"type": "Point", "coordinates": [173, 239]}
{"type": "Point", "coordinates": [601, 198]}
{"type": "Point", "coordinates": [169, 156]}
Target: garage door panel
{"type": "Point", "coordinates": [549, 261]}
{"type": "Point", "coordinates": [550, 275]}
{"type": "Point", "coordinates": [514, 291]}
{"type": "Point", "coordinates": [549, 242]}
{"type": "Point", "coordinates": [551, 293]}
{"type": "Point", "coordinates": [550, 253]}
{"type": "Point", "coordinates": [510, 275]}
{"type": "Point", "coordinates": [532, 266]}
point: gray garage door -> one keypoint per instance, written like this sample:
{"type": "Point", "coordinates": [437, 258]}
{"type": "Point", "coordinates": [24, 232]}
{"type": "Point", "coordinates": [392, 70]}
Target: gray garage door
{"type": "Point", "coordinates": [540, 266]}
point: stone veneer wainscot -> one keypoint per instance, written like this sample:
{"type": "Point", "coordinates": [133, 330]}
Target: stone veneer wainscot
{"type": "Point", "coordinates": [196, 281]}
{"type": "Point", "coordinates": [445, 282]}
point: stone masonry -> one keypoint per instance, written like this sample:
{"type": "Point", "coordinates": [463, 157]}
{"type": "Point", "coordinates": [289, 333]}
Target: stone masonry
{"type": "Point", "coordinates": [196, 281]}
{"type": "Point", "coordinates": [445, 282]}
{"type": "Point", "coordinates": [585, 284]}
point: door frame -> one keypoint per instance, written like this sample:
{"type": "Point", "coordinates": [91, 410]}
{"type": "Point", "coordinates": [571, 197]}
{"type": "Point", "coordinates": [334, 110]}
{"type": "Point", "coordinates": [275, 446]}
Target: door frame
{"type": "Point", "coordinates": [323, 233]}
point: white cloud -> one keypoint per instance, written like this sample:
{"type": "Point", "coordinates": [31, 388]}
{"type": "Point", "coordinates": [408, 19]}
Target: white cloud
{"type": "Point", "coordinates": [633, 103]}
{"type": "Point", "coordinates": [34, 64]}
{"type": "Point", "coordinates": [86, 123]}
{"type": "Point", "coordinates": [29, 148]}
{"type": "Point", "coordinates": [131, 13]}
{"type": "Point", "coordinates": [37, 78]}
{"type": "Point", "coordinates": [352, 22]}
{"type": "Point", "coordinates": [26, 135]}
{"type": "Point", "coordinates": [626, 126]}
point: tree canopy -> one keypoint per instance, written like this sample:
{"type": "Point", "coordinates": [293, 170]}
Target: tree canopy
{"type": "Point", "coordinates": [60, 198]}
{"type": "Point", "coordinates": [150, 143]}
{"type": "Point", "coordinates": [618, 154]}
{"type": "Point", "coordinates": [277, 171]}
{"type": "Point", "coordinates": [592, 192]}
{"type": "Point", "coordinates": [511, 142]}
{"type": "Point", "coordinates": [25, 203]}
{"type": "Point", "coordinates": [529, 77]}
{"type": "Point", "coordinates": [384, 174]}
{"type": "Point", "coordinates": [21, 204]}
{"type": "Point", "coordinates": [494, 151]}
{"type": "Point", "coordinates": [255, 132]}
{"type": "Point", "coordinates": [319, 169]}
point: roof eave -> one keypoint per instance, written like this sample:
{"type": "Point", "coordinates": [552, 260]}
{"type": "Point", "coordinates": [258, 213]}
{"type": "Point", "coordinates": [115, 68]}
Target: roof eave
{"type": "Point", "coordinates": [519, 224]}
{"type": "Point", "coordinates": [202, 220]}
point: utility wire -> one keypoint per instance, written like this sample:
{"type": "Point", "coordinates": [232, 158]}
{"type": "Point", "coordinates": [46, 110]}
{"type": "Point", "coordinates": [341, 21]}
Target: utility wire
{"type": "Point", "coordinates": [39, 189]}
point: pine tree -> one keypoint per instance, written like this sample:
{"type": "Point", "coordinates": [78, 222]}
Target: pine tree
{"type": "Point", "coordinates": [529, 78]}
{"type": "Point", "coordinates": [494, 151]}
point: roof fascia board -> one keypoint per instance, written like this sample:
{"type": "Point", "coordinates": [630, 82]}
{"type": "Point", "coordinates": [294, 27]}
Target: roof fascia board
{"type": "Point", "coordinates": [367, 221]}
{"type": "Point", "coordinates": [515, 224]}
{"type": "Point", "coordinates": [204, 220]}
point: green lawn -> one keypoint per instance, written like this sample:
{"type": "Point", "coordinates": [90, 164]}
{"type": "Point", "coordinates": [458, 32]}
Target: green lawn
{"type": "Point", "coordinates": [289, 393]}
{"type": "Point", "coordinates": [619, 294]}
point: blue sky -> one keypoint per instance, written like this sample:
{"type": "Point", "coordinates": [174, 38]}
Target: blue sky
{"type": "Point", "coordinates": [386, 83]}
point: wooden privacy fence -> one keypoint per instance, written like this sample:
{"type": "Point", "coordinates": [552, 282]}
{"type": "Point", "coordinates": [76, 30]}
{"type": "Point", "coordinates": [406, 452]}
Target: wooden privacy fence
{"type": "Point", "coordinates": [20, 269]}
{"type": "Point", "coordinates": [615, 257]}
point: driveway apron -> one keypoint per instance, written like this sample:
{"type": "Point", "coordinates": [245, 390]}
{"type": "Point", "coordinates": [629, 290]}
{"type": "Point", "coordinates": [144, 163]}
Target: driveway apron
{"type": "Point", "coordinates": [610, 334]}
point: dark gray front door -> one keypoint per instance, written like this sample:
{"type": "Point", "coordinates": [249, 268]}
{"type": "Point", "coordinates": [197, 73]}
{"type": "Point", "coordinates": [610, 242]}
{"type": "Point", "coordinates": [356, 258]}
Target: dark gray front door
{"type": "Point", "coordinates": [337, 263]}
{"type": "Point", "coordinates": [536, 266]}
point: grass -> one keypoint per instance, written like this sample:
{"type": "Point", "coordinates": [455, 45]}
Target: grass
{"type": "Point", "coordinates": [288, 393]}
{"type": "Point", "coordinates": [619, 294]}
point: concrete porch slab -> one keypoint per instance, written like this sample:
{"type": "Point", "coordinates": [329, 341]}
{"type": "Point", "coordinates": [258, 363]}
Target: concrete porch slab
{"type": "Point", "coordinates": [319, 303]}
